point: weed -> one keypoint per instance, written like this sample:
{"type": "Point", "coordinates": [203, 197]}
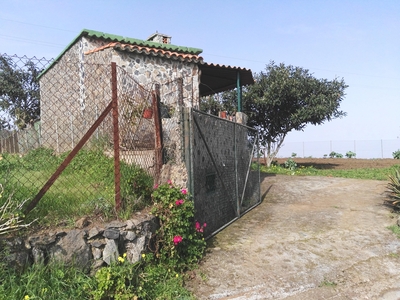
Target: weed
{"type": "Point", "coordinates": [395, 229]}
{"type": "Point", "coordinates": [327, 283]}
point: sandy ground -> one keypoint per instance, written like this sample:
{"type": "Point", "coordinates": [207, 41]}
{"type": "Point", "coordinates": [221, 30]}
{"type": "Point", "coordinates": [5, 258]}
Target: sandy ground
{"type": "Point", "coordinates": [310, 238]}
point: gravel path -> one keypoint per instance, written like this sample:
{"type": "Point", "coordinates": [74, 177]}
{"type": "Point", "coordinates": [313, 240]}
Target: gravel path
{"type": "Point", "coordinates": [310, 238]}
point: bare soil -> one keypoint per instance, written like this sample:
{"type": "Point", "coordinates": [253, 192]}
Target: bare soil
{"type": "Point", "coordinates": [310, 238]}
{"type": "Point", "coordinates": [342, 163]}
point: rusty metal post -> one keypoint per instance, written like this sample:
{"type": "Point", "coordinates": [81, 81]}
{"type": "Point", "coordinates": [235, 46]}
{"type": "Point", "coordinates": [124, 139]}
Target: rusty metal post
{"type": "Point", "coordinates": [158, 134]}
{"type": "Point", "coordinates": [117, 171]}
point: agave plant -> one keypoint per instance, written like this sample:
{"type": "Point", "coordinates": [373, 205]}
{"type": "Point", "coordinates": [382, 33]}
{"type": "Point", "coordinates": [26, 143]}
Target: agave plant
{"type": "Point", "coordinates": [394, 188]}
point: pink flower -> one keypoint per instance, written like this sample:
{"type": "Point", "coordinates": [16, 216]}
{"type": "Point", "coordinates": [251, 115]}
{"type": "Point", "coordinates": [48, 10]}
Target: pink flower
{"type": "Point", "coordinates": [169, 181]}
{"type": "Point", "coordinates": [155, 186]}
{"type": "Point", "coordinates": [198, 227]}
{"type": "Point", "coordinates": [179, 202]}
{"type": "Point", "coordinates": [177, 239]}
{"type": "Point", "coordinates": [184, 191]}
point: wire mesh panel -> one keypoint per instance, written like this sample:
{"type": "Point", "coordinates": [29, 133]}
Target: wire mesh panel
{"type": "Point", "coordinates": [222, 181]}
{"type": "Point", "coordinates": [73, 96]}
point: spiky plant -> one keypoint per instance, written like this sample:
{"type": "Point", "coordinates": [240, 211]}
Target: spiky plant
{"type": "Point", "coordinates": [394, 188]}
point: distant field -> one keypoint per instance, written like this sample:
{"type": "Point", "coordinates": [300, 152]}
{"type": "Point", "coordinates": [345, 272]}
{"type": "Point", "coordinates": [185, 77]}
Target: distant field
{"type": "Point", "coordinates": [342, 163]}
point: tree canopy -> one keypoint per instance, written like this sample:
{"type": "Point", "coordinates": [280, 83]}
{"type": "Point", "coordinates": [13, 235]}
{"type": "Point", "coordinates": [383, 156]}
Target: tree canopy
{"type": "Point", "coordinates": [285, 98]}
{"type": "Point", "coordinates": [19, 94]}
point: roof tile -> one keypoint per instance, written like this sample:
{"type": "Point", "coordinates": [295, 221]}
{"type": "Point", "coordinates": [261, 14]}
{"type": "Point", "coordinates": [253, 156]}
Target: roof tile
{"type": "Point", "coordinates": [150, 51]}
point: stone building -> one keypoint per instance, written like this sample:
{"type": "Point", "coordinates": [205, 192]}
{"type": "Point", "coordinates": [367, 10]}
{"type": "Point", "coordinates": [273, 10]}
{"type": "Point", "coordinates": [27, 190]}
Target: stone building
{"type": "Point", "coordinates": [76, 88]}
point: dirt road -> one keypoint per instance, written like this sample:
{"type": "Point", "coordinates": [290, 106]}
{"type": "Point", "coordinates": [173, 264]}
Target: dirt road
{"type": "Point", "coordinates": [311, 238]}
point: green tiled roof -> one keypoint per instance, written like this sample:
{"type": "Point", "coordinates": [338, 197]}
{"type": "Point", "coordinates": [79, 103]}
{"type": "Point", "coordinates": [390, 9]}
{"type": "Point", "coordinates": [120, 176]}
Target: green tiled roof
{"type": "Point", "coordinates": [131, 41]}
{"type": "Point", "coordinates": [126, 40]}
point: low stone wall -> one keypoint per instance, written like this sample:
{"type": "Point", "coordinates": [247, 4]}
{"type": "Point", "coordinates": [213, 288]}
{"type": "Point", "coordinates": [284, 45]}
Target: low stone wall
{"type": "Point", "coordinates": [88, 247]}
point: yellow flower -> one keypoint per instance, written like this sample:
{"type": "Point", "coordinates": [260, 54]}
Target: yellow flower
{"type": "Point", "coordinates": [124, 255]}
{"type": "Point", "coordinates": [177, 275]}
{"type": "Point", "coordinates": [143, 255]}
{"type": "Point", "coordinates": [26, 297]}
{"type": "Point", "coordinates": [120, 259]}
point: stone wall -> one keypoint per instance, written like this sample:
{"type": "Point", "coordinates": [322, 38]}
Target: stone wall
{"type": "Point", "coordinates": [88, 247]}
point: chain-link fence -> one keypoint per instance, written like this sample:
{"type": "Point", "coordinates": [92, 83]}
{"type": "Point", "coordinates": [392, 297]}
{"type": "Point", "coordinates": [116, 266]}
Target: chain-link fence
{"type": "Point", "coordinates": [99, 138]}
{"type": "Point", "coordinates": [368, 149]}
{"type": "Point", "coordinates": [68, 157]}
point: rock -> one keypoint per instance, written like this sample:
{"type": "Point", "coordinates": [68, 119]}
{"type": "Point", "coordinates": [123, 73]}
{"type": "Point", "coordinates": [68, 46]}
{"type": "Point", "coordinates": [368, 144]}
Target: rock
{"type": "Point", "coordinates": [82, 223]}
{"type": "Point", "coordinates": [134, 249]}
{"type": "Point", "coordinates": [130, 236]}
{"type": "Point", "coordinates": [82, 247]}
{"type": "Point", "coordinates": [94, 232]}
{"type": "Point", "coordinates": [111, 233]}
{"type": "Point", "coordinates": [110, 252]}
{"type": "Point", "coordinates": [130, 225]}
{"type": "Point", "coordinates": [98, 243]}
{"type": "Point", "coordinates": [38, 255]}
{"type": "Point", "coordinates": [116, 224]}
{"type": "Point", "coordinates": [97, 253]}
{"type": "Point", "coordinates": [72, 249]}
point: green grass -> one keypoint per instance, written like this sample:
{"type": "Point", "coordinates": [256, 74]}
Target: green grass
{"type": "Point", "coordinates": [370, 173]}
{"type": "Point", "coordinates": [53, 281]}
{"type": "Point", "coordinates": [86, 186]}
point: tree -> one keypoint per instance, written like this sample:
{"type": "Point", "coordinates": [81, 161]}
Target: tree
{"type": "Point", "coordinates": [19, 94]}
{"type": "Point", "coordinates": [285, 98]}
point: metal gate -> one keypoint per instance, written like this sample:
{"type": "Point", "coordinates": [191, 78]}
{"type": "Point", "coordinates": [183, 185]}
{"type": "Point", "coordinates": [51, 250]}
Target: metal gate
{"type": "Point", "coordinates": [224, 176]}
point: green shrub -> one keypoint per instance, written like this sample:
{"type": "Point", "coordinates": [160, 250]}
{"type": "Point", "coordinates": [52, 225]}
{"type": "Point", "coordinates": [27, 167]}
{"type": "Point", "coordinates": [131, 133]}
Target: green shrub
{"type": "Point", "coordinates": [136, 186]}
{"type": "Point", "coordinates": [179, 242]}
{"type": "Point", "coordinates": [350, 154]}
{"type": "Point", "coordinates": [119, 281]}
{"type": "Point", "coordinates": [334, 154]}
{"type": "Point", "coordinates": [396, 154]}
{"type": "Point", "coordinates": [290, 164]}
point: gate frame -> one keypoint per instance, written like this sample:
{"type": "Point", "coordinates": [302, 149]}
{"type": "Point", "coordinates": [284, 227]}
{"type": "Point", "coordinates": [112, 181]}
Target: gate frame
{"type": "Point", "coordinates": [189, 126]}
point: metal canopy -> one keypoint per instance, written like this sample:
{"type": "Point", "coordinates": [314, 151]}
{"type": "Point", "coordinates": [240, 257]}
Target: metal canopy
{"type": "Point", "coordinates": [219, 78]}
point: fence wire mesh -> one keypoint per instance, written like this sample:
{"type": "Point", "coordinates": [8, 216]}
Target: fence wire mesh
{"type": "Point", "coordinates": [72, 97]}
{"type": "Point", "coordinates": [66, 156]}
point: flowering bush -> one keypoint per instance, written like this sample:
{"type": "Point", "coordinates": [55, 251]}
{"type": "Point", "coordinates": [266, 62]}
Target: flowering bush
{"type": "Point", "coordinates": [179, 242]}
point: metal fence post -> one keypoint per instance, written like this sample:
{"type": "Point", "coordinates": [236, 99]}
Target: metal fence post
{"type": "Point", "coordinates": [117, 172]}
{"type": "Point", "coordinates": [158, 133]}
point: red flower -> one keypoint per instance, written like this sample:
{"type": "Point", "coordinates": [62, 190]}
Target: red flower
{"type": "Point", "coordinates": [177, 239]}
{"type": "Point", "coordinates": [184, 191]}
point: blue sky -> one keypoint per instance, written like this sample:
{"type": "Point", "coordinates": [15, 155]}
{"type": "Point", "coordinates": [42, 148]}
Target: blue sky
{"type": "Point", "coordinates": [358, 40]}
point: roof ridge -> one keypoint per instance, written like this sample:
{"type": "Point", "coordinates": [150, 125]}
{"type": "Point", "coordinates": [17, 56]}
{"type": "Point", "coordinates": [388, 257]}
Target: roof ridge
{"type": "Point", "coordinates": [134, 41]}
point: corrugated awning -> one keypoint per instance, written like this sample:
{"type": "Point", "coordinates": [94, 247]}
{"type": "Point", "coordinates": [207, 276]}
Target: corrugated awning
{"type": "Point", "coordinates": [216, 78]}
